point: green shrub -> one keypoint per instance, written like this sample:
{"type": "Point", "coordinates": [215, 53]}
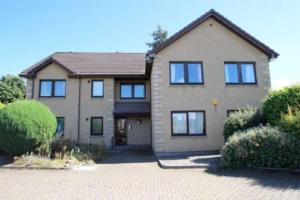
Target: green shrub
{"type": "Point", "coordinates": [26, 126]}
{"type": "Point", "coordinates": [290, 122]}
{"type": "Point", "coordinates": [278, 102]}
{"type": "Point", "coordinates": [261, 147]}
{"type": "Point", "coordinates": [1, 105]}
{"type": "Point", "coordinates": [241, 120]}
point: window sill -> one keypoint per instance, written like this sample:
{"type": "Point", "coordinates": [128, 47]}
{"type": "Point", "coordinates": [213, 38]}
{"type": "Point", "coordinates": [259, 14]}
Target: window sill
{"type": "Point", "coordinates": [241, 84]}
{"type": "Point", "coordinates": [185, 135]}
{"type": "Point", "coordinates": [41, 97]}
{"type": "Point", "coordinates": [97, 97]}
{"type": "Point", "coordinates": [186, 84]}
{"type": "Point", "coordinates": [96, 135]}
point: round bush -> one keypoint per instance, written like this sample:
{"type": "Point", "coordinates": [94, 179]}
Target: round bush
{"type": "Point", "coordinates": [241, 120]}
{"type": "Point", "coordinates": [26, 126]}
{"type": "Point", "coordinates": [1, 105]}
{"type": "Point", "coordinates": [279, 101]}
{"type": "Point", "coordinates": [261, 147]}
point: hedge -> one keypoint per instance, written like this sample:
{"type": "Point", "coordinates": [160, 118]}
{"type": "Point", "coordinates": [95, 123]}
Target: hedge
{"type": "Point", "coordinates": [241, 120]}
{"type": "Point", "coordinates": [26, 126]}
{"type": "Point", "coordinates": [261, 147]}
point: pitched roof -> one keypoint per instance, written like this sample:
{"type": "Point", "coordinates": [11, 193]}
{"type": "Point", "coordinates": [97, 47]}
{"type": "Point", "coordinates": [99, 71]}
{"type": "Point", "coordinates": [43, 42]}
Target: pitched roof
{"type": "Point", "coordinates": [85, 64]}
{"type": "Point", "coordinates": [132, 108]}
{"type": "Point", "coordinates": [228, 24]}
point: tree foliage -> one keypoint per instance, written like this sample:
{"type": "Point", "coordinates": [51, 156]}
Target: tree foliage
{"type": "Point", "coordinates": [278, 103]}
{"type": "Point", "coordinates": [12, 88]}
{"type": "Point", "coordinates": [159, 36]}
{"type": "Point", "coordinates": [1, 105]}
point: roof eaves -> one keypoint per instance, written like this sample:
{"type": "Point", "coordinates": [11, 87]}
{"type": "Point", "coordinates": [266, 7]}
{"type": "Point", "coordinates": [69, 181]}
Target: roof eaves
{"type": "Point", "coordinates": [32, 70]}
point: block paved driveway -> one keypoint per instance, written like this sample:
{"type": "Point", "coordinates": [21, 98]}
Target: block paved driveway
{"type": "Point", "coordinates": [136, 175]}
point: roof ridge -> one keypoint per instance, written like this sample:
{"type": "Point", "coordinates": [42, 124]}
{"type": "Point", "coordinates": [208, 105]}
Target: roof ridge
{"type": "Point", "coordinates": [86, 52]}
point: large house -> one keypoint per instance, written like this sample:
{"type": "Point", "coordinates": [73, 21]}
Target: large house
{"type": "Point", "coordinates": [172, 99]}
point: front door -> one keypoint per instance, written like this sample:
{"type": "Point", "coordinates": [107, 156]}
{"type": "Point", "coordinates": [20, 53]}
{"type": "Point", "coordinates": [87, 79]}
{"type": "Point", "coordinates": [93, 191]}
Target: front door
{"type": "Point", "coordinates": [121, 134]}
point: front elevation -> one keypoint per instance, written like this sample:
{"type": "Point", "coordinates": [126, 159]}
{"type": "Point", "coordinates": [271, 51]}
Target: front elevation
{"type": "Point", "coordinates": [172, 99]}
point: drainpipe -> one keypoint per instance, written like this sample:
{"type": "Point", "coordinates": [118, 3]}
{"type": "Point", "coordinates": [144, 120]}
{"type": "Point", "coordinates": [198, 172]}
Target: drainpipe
{"type": "Point", "coordinates": [78, 121]}
{"type": "Point", "coordinates": [32, 88]}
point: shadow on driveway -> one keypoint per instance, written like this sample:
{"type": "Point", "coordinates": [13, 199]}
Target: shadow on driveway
{"type": "Point", "coordinates": [139, 156]}
{"type": "Point", "coordinates": [270, 179]}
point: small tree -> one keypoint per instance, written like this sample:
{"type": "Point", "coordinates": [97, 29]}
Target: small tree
{"type": "Point", "coordinates": [159, 36]}
{"type": "Point", "coordinates": [12, 88]}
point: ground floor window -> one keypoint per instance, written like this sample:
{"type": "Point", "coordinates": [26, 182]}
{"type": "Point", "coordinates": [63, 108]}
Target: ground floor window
{"type": "Point", "coordinates": [188, 123]}
{"type": "Point", "coordinates": [60, 128]}
{"type": "Point", "coordinates": [96, 125]}
{"type": "Point", "coordinates": [231, 111]}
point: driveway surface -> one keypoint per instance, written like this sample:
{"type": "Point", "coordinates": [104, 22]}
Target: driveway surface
{"type": "Point", "coordinates": [136, 175]}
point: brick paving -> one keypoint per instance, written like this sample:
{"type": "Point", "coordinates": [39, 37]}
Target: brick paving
{"type": "Point", "coordinates": [137, 176]}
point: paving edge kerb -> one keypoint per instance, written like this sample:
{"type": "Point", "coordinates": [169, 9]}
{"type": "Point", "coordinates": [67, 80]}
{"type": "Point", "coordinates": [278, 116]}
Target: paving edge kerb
{"type": "Point", "coordinates": [35, 168]}
{"type": "Point", "coordinates": [163, 166]}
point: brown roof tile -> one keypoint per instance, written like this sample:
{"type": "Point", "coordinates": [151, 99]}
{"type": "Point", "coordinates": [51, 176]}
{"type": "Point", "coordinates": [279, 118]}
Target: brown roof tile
{"type": "Point", "coordinates": [83, 63]}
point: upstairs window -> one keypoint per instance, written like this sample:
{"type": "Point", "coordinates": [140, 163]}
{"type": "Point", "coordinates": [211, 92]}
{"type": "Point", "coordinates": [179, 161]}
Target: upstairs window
{"type": "Point", "coordinates": [52, 88]}
{"type": "Point", "coordinates": [97, 88]}
{"type": "Point", "coordinates": [132, 91]}
{"type": "Point", "coordinates": [240, 73]}
{"type": "Point", "coordinates": [186, 73]}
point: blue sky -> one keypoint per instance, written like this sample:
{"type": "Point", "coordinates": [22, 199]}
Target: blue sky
{"type": "Point", "coordinates": [33, 29]}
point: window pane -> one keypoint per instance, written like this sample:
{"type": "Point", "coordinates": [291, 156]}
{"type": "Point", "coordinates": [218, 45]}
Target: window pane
{"type": "Point", "coordinates": [60, 126]}
{"type": "Point", "coordinates": [195, 73]}
{"type": "Point", "coordinates": [46, 88]}
{"type": "Point", "coordinates": [126, 91]}
{"type": "Point", "coordinates": [179, 123]}
{"type": "Point", "coordinates": [248, 73]}
{"type": "Point", "coordinates": [96, 126]}
{"type": "Point", "coordinates": [196, 122]}
{"type": "Point", "coordinates": [139, 91]}
{"type": "Point", "coordinates": [177, 73]}
{"type": "Point", "coordinates": [60, 88]}
{"type": "Point", "coordinates": [97, 89]}
{"type": "Point", "coordinates": [231, 73]}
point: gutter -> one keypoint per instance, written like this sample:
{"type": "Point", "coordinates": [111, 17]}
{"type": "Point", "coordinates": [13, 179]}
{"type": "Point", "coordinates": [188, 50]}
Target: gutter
{"type": "Point", "coordinates": [78, 120]}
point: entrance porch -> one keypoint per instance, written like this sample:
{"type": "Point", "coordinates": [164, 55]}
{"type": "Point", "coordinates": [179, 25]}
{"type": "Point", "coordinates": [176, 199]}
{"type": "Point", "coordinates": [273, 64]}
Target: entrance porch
{"type": "Point", "coordinates": [132, 126]}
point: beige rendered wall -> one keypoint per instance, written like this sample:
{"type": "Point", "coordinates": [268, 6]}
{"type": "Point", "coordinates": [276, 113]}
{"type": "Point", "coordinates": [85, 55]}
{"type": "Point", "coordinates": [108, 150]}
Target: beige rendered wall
{"type": "Point", "coordinates": [117, 91]}
{"type": "Point", "coordinates": [212, 44]}
{"type": "Point", "coordinates": [97, 107]}
{"type": "Point", "coordinates": [61, 106]}
{"type": "Point", "coordinates": [68, 106]}
{"type": "Point", "coordinates": [139, 134]}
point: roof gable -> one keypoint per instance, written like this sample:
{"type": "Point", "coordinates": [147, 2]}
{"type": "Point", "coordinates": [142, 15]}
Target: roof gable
{"type": "Point", "coordinates": [226, 23]}
{"type": "Point", "coordinates": [93, 64]}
